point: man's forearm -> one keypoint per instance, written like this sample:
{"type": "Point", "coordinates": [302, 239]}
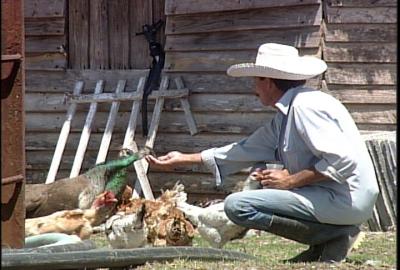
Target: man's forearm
{"type": "Point", "coordinates": [190, 159]}
{"type": "Point", "coordinates": [306, 177]}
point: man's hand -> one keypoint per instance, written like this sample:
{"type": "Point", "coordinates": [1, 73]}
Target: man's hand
{"type": "Point", "coordinates": [173, 159]}
{"type": "Point", "coordinates": [278, 179]}
{"type": "Point", "coordinates": [282, 179]}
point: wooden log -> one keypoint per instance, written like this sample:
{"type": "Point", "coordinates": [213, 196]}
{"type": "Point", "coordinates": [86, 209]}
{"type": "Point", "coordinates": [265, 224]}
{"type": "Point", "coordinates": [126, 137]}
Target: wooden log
{"type": "Point", "coordinates": [383, 205]}
{"type": "Point", "coordinates": [304, 37]}
{"type": "Point", "coordinates": [174, 7]}
{"type": "Point", "coordinates": [262, 18]}
{"type": "Point", "coordinates": [360, 52]}
{"type": "Point", "coordinates": [106, 140]}
{"type": "Point", "coordinates": [80, 152]}
{"type": "Point", "coordinates": [47, 26]}
{"type": "Point", "coordinates": [360, 32]}
{"type": "Point", "coordinates": [63, 138]}
{"type": "Point", "coordinates": [361, 15]}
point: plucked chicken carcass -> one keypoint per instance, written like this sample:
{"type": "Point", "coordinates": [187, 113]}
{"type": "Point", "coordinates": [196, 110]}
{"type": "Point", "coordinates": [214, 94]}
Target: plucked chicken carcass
{"type": "Point", "coordinates": [77, 221]}
{"type": "Point", "coordinates": [80, 191]}
{"type": "Point", "coordinates": [158, 221]}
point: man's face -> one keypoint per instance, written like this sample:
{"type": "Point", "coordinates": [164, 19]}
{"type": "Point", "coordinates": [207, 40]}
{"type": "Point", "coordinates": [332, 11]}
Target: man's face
{"type": "Point", "coordinates": [266, 90]}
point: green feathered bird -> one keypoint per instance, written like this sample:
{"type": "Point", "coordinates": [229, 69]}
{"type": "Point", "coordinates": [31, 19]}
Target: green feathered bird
{"type": "Point", "coordinates": [81, 191]}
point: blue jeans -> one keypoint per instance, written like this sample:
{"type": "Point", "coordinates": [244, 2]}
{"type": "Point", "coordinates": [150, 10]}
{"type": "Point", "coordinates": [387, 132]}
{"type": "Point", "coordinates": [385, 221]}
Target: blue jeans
{"type": "Point", "coordinates": [254, 208]}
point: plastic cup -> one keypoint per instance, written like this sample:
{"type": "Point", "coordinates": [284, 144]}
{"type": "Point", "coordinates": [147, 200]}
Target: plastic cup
{"type": "Point", "coordinates": [274, 166]}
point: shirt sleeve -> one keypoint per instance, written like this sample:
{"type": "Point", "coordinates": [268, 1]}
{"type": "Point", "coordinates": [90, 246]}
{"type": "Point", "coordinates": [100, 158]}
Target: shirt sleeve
{"type": "Point", "coordinates": [229, 159]}
{"type": "Point", "coordinates": [323, 135]}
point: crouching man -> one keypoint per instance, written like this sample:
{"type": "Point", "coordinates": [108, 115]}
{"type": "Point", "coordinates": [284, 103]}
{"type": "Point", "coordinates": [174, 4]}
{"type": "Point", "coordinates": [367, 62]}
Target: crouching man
{"type": "Point", "coordinates": [327, 187]}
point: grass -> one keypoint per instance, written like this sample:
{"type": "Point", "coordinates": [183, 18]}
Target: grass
{"type": "Point", "coordinates": [377, 251]}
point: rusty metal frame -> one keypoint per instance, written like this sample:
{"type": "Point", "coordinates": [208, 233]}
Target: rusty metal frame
{"type": "Point", "coordinates": [12, 125]}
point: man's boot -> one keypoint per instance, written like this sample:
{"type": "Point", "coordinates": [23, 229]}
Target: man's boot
{"type": "Point", "coordinates": [328, 243]}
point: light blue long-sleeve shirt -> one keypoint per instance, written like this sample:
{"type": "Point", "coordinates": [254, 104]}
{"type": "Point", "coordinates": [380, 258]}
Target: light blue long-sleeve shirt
{"type": "Point", "coordinates": [320, 134]}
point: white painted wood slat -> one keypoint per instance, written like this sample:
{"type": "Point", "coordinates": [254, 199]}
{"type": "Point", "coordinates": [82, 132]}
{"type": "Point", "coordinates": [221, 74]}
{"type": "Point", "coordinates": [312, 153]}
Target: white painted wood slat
{"type": "Point", "coordinates": [55, 163]}
{"type": "Point", "coordinates": [83, 142]}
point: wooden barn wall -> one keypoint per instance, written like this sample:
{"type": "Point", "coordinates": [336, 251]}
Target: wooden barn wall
{"type": "Point", "coordinates": [360, 50]}
{"type": "Point", "coordinates": [202, 39]}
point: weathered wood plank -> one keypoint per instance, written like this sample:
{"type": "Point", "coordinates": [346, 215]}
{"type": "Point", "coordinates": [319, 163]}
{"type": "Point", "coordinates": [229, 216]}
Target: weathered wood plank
{"type": "Point", "coordinates": [306, 37]}
{"type": "Point", "coordinates": [174, 7]}
{"type": "Point", "coordinates": [361, 15]}
{"type": "Point", "coordinates": [43, 44]}
{"type": "Point", "coordinates": [165, 142]}
{"type": "Point", "coordinates": [44, 8]}
{"type": "Point", "coordinates": [356, 52]}
{"type": "Point", "coordinates": [118, 13]}
{"type": "Point", "coordinates": [61, 82]}
{"type": "Point", "coordinates": [52, 26]}
{"type": "Point", "coordinates": [202, 61]}
{"type": "Point", "coordinates": [360, 33]}
{"type": "Point", "coordinates": [45, 60]}
{"type": "Point", "coordinates": [361, 74]}
{"type": "Point", "coordinates": [262, 18]}
{"type": "Point", "coordinates": [98, 45]}
{"type": "Point", "coordinates": [158, 11]}
{"type": "Point", "coordinates": [232, 122]}
{"type": "Point", "coordinates": [140, 14]}
{"type": "Point", "coordinates": [46, 102]}
{"type": "Point", "coordinates": [362, 3]}
{"type": "Point", "coordinates": [79, 34]}
{"type": "Point", "coordinates": [366, 97]}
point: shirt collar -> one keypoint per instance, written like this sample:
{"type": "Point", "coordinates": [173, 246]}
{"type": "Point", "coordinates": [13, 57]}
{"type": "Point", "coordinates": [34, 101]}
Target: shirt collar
{"type": "Point", "coordinates": [284, 102]}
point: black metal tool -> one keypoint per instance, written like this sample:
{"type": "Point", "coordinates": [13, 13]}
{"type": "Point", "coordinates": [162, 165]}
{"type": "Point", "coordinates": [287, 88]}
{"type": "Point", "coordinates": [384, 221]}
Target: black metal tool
{"type": "Point", "coordinates": [157, 64]}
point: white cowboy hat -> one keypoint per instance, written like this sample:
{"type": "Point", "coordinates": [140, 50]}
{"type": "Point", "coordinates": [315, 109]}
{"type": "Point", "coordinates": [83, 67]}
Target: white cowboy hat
{"type": "Point", "coordinates": [279, 62]}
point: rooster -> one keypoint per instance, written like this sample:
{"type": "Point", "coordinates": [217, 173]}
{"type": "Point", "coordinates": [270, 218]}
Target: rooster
{"type": "Point", "coordinates": [143, 222]}
{"type": "Point", "coordinates": [77, 221]}
{"type": "Point", "coordinates": [80, 191]}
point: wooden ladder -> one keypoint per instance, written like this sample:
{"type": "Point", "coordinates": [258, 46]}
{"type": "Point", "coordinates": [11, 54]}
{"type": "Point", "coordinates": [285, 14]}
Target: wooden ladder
{"type": "Point", "coordinates": [141, 166]}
